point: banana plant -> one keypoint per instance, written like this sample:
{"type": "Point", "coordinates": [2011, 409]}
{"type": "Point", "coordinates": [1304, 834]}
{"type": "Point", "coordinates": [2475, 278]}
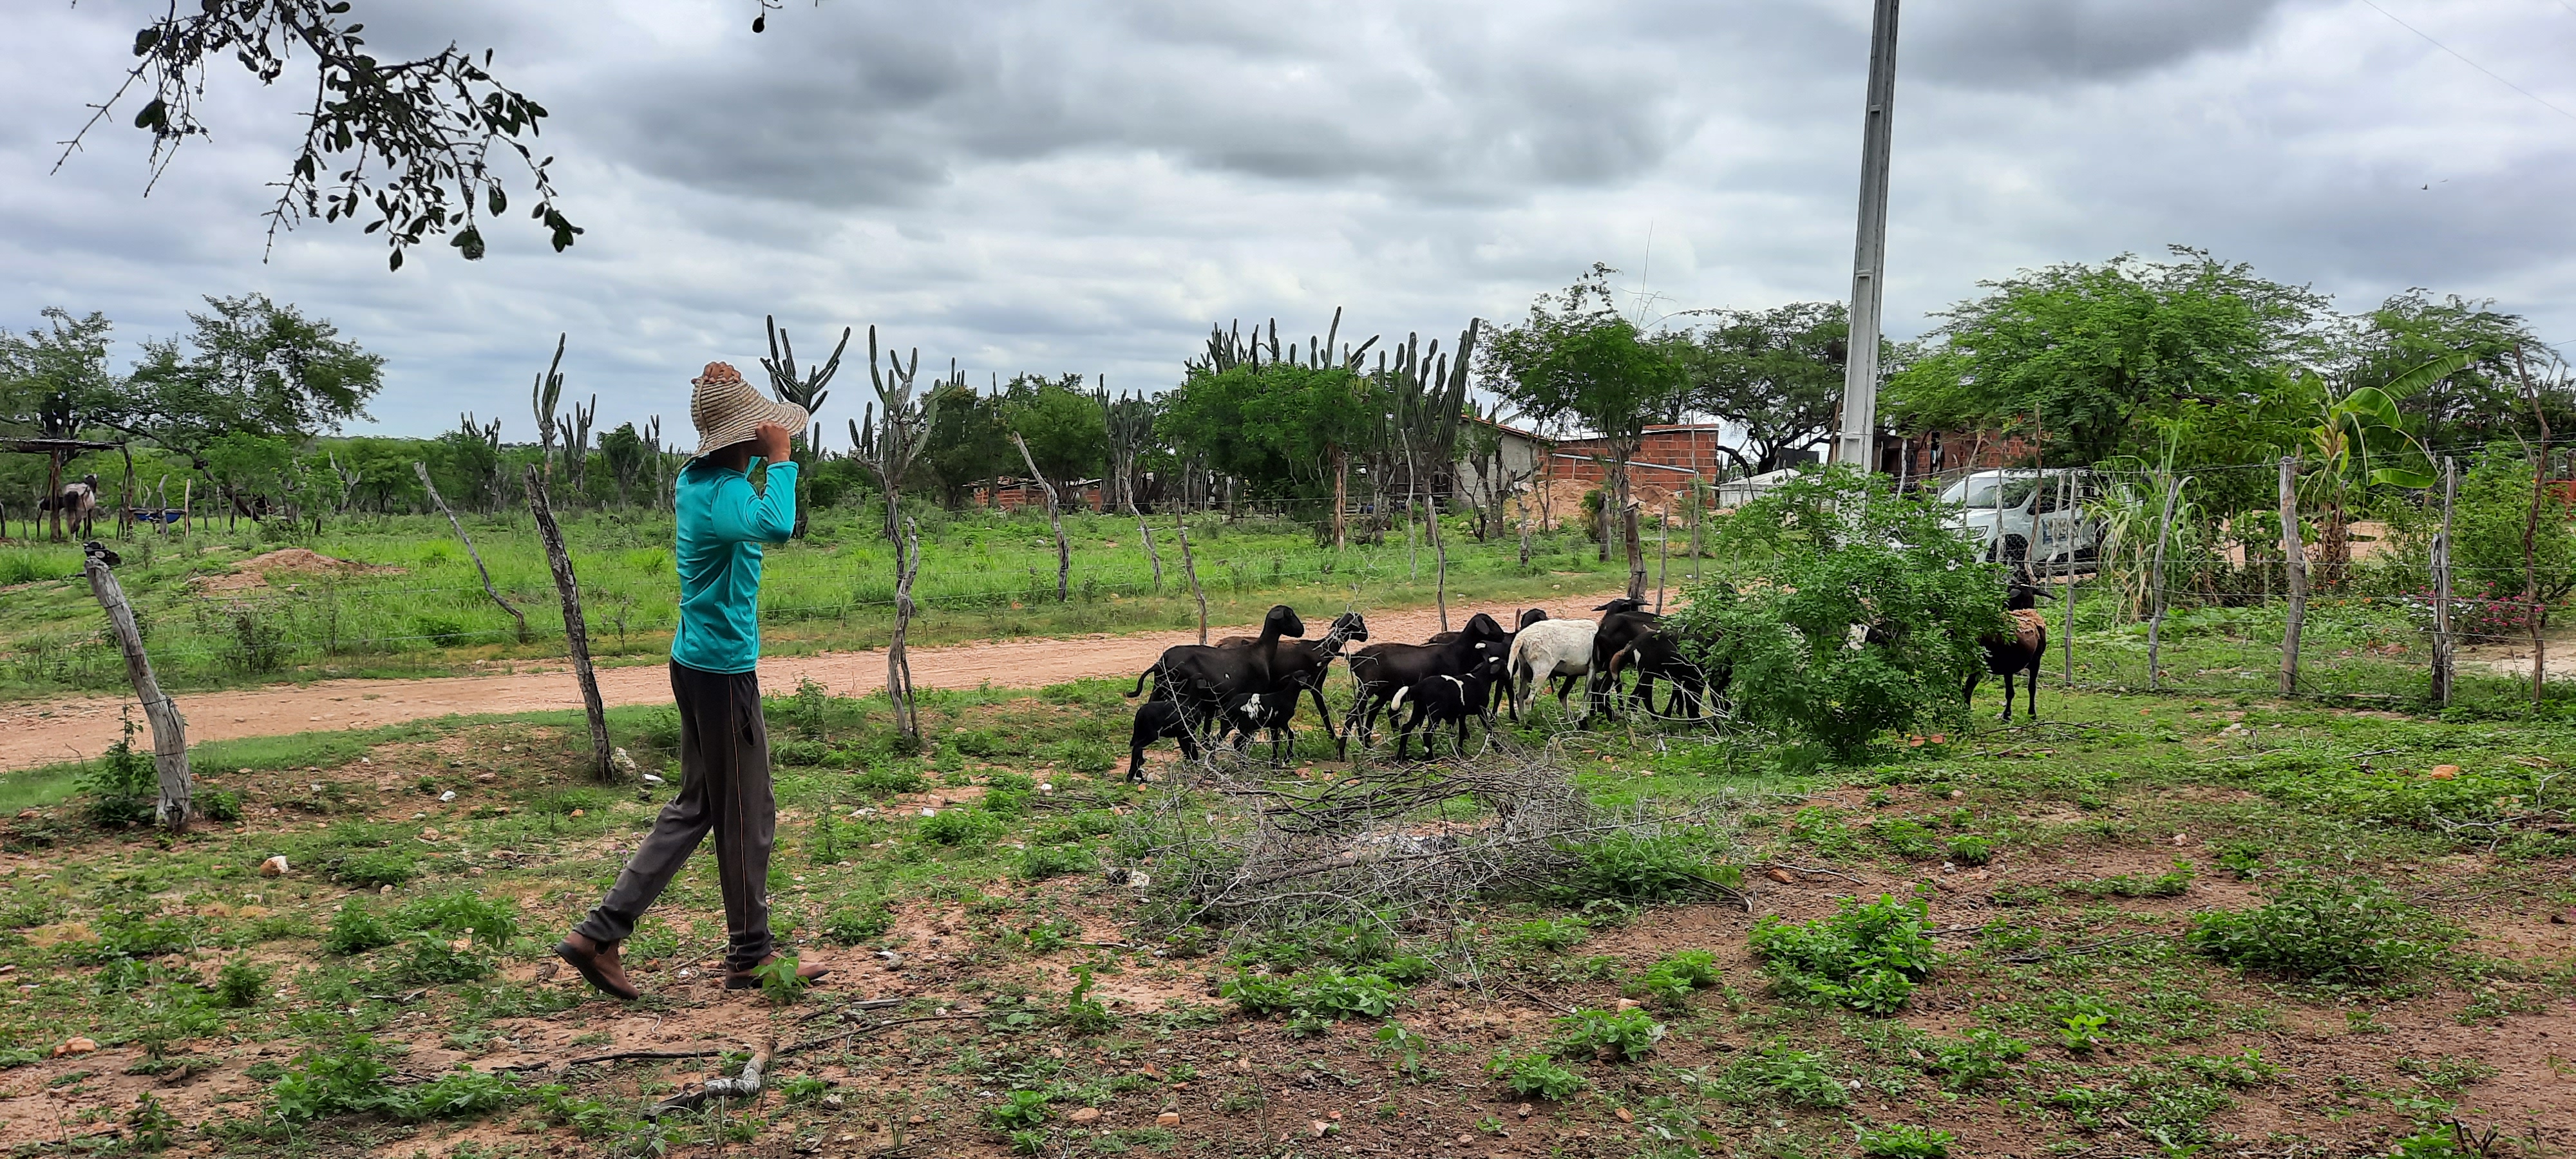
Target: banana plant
{"type": "Point", "coordinates": [2359, 439]}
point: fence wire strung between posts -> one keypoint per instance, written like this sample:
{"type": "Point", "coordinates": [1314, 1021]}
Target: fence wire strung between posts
{"type": "Point", "coordinates": [2369, 629]}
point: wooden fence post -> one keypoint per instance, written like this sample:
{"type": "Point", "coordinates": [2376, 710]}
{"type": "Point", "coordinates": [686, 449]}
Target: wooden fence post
{"type": "Point", "coordinates": [476, 556]}
{"type": "Point", "coordinates": [1063, 551]}
{"type": "Point", "coordinates": [1190, 568]}
{"type": "Point", "coordinates": [2294, 564]}
{"type": "Point", "coordinates": [576, 631]}
{"type": "Point", "coordinates": [2156, 581]}
{"type": "Point", "coordinates": [2069, 502]}
{"type": "Point", "coordinates": [169, 730]}
{"type": "Point", "coordinates": [2442, 587]}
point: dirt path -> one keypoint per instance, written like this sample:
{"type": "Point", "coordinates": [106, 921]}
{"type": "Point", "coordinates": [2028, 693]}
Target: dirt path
{"type": "Point", "coordinates": [37, 733]}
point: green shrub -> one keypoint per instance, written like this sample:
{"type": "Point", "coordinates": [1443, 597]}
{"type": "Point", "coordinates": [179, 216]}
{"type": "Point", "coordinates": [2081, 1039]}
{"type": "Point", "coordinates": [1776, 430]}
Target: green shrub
{"type": "Point", "coordinates": [960, 827]}
{"type": "Point", "coordinates": [1320, 994]}
{"type": "Point", "coordinates": [219, 804]}
{"type": "Point", "coordinates": [1976, 1057]}
{"type": "Point", "coordinates": [888, 780]}
{"type": "Point", "coordinates": [460, 1093]}
{"type": "Point", "coordinates": [1077, 827]}
{"type": "Point", "coordinates": [491, 922]}
{"type": "Point", "coordinates": [1637, 867]}
{"type": "Point", "coordinates": [798, 753]}
{"type": "Point", "coordinates": [1547, 935]}
{"type": "Point", "coordinates": [1971, 850]}
{"type": "Point", "coordinates": [129, 933]}
{"type": "Point", "coordinates": [1673, 979]}
{"type": "Point", "coordinates": [1020, 1110]}
{"type": "Point", "coordinates": [123, 787]}
{"type": "Point", "coordinates": [344, 1080]}
{"type": "Point", "coordinates": [432, 962]}
{"type": "Point", "coordinates": [1866, 956]}
{"type": "Point", "coordinates": [241, 984]}
{"type": "Point", "coordinates": [371, 868]}
{"type": "Point", "coordinates": [1837, 551]}
{"type": "Point", "coordinates": [1039, 862]}
{"type": "Point", "coordinates": [1909, 839]}
{"type": "Point", "coordinates": [853, 924]}
{"type": "Point", "coordinates": [1534, 1075]}
{"type": "Point", "coordinates": [1626, 1035]}
{"type": "Point", "coordinates": [1905, 1141]}
{"type": "Point", "coordinates": [2328, 930]}
{"type": "Point", "coordinates": [356, 929]}
{"type": "Point", "coordinates": [1776, 1073]}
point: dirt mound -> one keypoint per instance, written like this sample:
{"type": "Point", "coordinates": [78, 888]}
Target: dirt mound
{"type": "Point", "coordinates": [257, 571]}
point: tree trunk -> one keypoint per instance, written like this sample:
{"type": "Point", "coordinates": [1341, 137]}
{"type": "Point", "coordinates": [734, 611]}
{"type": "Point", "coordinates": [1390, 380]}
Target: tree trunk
{"type": "Point", "coordinates": [1190, 568]}
{"type": "Point", "coordinates": [1063, 550]}
{"type": "Point", "coordinates": [1628, 541]}
{"type": "Point", "coordinates": [576, 630]}
{"type": "Point", "coordinates": [2294, 560]}
{"type": "Point", "coordinates": [2335, 544]}
{"type": "Point", "coordinates": [2442, 588]}
{"type": "Point", "coordinates": [1341, 498]}
{"type": "Point", "coordinates": [1440, 559]}
{"type": "Point", "coordinates": [176, 805]}
{"type": "Point", "coordinates": [907, 557]}
{"type": "Point", "coordinates": [423, 470]}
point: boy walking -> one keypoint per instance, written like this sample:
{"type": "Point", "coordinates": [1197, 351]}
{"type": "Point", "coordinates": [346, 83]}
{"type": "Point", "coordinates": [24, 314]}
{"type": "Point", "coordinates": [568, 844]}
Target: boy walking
{"type": "Point", "coordinates": [715, 657]}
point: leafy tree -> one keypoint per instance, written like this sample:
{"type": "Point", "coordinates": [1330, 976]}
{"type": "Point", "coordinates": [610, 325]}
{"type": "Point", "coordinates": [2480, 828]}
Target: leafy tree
{"type": "Point", "coordinates": [628, 459]}
{"type": "Point", "coordinates": [54, 379]}
{"type": "Point", "coordinates": [412, 141]}
{"type": "Point", "coordinates": [967, 443]}
{"type": "Point", "coordinates": [2090, 353]}
{"type": "Point", "coordinates": [250, 367]}
{"type": "Point", "coordinates": [1777, 373]}
{"type": "Point", "coordinates": [1066, 433]}
{"type": "Point", "coordinates": [1576, 360]}
{"type": "Point", "coordinates": [2469, 405]}
{"type": "Point", "coordinates": [251, 469]}
{"type": "Point", "coordinates": [1210, 417]}
{"type": "Point", "coordinates": [1824, 554]}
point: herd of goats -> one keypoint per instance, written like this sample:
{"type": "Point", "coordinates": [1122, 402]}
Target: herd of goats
{"type": "Point", "coordinates": [1241, 685]}
{"type": "Point", "coordinates": [1206, 694]}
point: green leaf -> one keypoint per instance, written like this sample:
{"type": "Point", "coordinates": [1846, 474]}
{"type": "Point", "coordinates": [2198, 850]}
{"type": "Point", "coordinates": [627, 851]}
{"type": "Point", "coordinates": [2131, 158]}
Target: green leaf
{"type": "Point", "coordinates": [496, 199]}
{"type": "Point", "coordinates": [469, 242]}
{"type": "Point", "coordinates": [154, 115]}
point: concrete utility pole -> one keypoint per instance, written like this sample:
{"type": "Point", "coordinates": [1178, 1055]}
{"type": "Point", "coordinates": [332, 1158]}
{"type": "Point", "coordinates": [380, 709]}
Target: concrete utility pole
{"type": "Point", "coordinates": [1858, 441]}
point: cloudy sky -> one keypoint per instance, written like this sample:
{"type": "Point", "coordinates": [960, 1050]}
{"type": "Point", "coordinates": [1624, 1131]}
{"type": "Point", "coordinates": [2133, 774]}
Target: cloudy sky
{"type": "Point", "coordinates": [1033, 185]}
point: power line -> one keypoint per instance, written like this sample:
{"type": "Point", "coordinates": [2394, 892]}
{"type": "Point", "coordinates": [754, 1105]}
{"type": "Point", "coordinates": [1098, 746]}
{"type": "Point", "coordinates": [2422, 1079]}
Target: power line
{"type": "Point", "coordinates": [2499, 79]}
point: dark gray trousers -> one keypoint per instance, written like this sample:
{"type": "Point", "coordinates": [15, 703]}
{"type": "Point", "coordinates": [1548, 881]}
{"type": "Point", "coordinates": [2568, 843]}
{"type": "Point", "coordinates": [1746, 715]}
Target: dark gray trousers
{"type": "Point", "coordinates": [724, 788]}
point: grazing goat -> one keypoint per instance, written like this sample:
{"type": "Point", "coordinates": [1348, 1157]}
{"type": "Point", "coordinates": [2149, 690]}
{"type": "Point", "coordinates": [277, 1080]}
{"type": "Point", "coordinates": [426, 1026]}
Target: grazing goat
{"type": "Point", "coordinates": [1500, 696]}
{"type": "Point", "coordinates": [1303, 665]}
{"type": "Point", "coordinates": [78, 500]}
{"type": "Point", "coordinates": [1203, 677]}
{"type": "Point", "coordinates": [1440, 700]}
{"type": "Point", "coordinates": [1658, 654]}
{"type": "Point", "coordinates": [1380, 670]}
{"type": "Point", "coordinates": [2019, 652]}
{"type": "Point", "coordinates": [1557, 650]}
{"type": "Point", "coordinates": [1161, 718]}
{"type": "Point", "coordinates": [1624, 621]}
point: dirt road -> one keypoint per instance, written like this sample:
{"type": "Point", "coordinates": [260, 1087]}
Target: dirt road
{"type": "Point", "coordinates": [39, 733]}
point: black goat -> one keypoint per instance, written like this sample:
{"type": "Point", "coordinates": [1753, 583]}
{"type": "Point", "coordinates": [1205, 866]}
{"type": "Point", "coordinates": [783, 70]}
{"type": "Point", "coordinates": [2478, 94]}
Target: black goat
{"type": "Point", "coordinates": [1203, 677]}
{"type": "Point", "coordinates": [2017, 652]}
{"type": "Point", "coordinates": [1162, 718]}
{"type": "Point", "coordinates": [1624, 621]}
{"type": "Point", "coordinates": [1380, 670]}
{"type": "Point", "coordinates": [1302, 666]}
{"type": "Point", "coordinates": [1659, 655]}
{"type": "Point", "coordinates": [1440, 700]}
{"type": "Point", "coordinates": [1502, 689]}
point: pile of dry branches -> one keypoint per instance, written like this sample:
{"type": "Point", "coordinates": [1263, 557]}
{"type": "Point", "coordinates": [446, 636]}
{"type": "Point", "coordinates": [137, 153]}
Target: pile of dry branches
{"type": "Point", "coordinates": [1424, 840]}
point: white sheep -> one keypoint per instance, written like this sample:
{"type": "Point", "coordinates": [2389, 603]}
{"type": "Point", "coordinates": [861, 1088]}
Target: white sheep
{"type": "Point", "coordinates": [1546, 650]}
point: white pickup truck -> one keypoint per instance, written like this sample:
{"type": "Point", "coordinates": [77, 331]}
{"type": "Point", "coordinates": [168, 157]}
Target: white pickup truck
{"type": "Point", "coordinates": [2029, 516]}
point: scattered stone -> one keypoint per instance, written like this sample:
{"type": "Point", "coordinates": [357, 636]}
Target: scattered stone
{"type": "Point", "coordinates": [1782, 876]}
{"type": "Point", "coordinates": [832, 1102]}
{"type": "Point", "coordinates": [447, 796]}
{"type": "Point", "coordinates": [1318, 1128]}
{"type": "Point", "coordinates": [1084, 1115]}
{"type": "Point", "coordinates": [1523, 1110]}
{"type": "Point", "coordinates": [1625, 1116]}
{"type": "Point", "coordinates": [577, 812]}
{"type": "Point", "coordinates": [76, 1046]}
{"type": "Point", "coordinates": [1168, 1119]}
{"type": "Point", "coordinates": [1958, 794]}
{"type": "Point", "coordinates": [486, 778]}
{"type": "Point", "coordinates": [273, 867]}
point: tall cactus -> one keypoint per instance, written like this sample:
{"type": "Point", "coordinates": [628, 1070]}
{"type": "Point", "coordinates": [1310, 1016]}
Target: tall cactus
{"type": "Point", "coordinates": [886, 448]}
{"type": "Point", "coordinates": [543, 398]}
{"type": "Point", "coordinates": [805, 391]}
{"type": "Point", "coordinates": [577, 444]}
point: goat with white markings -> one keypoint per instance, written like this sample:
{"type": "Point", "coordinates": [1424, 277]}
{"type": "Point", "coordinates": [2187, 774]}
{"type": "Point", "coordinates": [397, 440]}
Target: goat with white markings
{"type": "Point", "coordinates": [1439, 700]}
{"type": "Point", "coordinates": [1163, 718]}
{"type": "Point", "coordinates": [78, 501]}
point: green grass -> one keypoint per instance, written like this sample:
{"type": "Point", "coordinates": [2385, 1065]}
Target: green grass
{"type": "Point", "coordinates": [984, 575]}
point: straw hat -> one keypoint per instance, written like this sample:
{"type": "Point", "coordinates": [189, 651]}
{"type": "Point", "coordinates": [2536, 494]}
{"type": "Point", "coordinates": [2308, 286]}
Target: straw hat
{"type": "Point", "coordinates": [725, 409]}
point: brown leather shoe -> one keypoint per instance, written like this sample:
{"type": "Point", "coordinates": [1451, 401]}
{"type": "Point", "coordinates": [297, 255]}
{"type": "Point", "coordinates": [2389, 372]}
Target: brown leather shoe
{"type": "Point", "coordinates": [598, 965]}
{"type": "Point", "coordinates": [749, 980]}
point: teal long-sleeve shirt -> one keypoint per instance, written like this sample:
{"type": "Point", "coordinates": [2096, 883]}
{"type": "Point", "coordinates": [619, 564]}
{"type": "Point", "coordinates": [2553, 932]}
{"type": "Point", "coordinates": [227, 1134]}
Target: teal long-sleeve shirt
{"type": "Point", "coordinates": [723, 520]}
